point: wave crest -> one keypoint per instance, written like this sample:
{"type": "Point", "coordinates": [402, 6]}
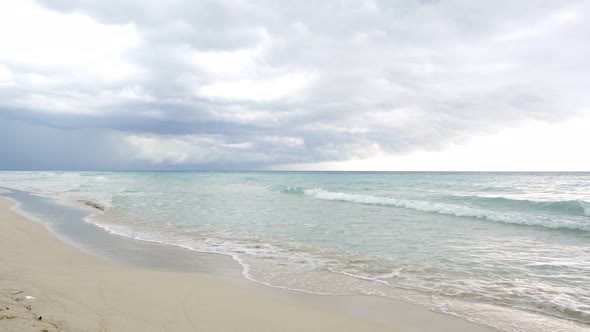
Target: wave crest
{"type": "Point", "coordinates": [571, 207]}
{"type": "Point", "coordinates": [576, 223]}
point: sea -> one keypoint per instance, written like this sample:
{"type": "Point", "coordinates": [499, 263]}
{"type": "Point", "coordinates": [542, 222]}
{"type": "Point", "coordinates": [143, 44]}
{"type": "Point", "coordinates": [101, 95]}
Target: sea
{"type": "Point", "coordinates": [506, 250]}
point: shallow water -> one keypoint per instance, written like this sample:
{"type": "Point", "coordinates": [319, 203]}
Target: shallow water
{"type": "Point", "coordinates": [509, 250]}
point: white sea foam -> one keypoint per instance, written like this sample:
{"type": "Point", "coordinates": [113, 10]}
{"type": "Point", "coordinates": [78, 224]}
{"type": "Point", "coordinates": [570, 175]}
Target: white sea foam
{"type": "Point", "coordinates": [455, 210]}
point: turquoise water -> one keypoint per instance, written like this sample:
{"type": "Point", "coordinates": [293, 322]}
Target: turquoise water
{"type": "Point", "coordinates": [508, 250]}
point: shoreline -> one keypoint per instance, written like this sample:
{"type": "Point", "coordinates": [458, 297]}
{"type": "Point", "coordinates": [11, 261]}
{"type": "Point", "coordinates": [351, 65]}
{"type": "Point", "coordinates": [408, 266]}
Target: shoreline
{"type": "Point", "coordinates": [71, 290]}
{"type": "Point", "coordinates": [38, 263]}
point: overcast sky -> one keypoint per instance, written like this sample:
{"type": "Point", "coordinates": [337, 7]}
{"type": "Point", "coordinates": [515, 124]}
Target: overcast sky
{"type": "Point", "coordinates": [345, 85]}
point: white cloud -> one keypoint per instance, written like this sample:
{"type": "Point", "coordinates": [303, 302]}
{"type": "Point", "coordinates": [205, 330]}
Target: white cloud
{"type": "Point", "coordinates": [329, 127]}
{"type": "Point", "coordinates": [285, 140]}
{"type": "Point", "coordinates": [171, 149]}
{"type": "Point", "coordinates": [192, 149]}
{"type": "Point", "coordinates": [544, 26]}
{"type": "Point", "coordinates": [266, 89]}
{"type": "Point", "coordinates": [33, 35]}
{"type": "Point", "coordinates": [234, 63]}
{"type": "Point", "coordinates": [5, 75]}
{"type": "Point", "coordinates": [537, 146]}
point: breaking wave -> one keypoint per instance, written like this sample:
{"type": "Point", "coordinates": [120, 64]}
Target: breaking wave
{"type": "Point", "coordinates": [518, 218]}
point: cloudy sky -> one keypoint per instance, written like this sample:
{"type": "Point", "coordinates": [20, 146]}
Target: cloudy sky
{"type": "Point", "coordinates": [344, 85]}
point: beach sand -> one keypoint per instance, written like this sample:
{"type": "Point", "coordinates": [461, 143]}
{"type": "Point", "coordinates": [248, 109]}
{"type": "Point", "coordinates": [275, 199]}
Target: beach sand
{"type": "Point", "coordinates": [47, 284]}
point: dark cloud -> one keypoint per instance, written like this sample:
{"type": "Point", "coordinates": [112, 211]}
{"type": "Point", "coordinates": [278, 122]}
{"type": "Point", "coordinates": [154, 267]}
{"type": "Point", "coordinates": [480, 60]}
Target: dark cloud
{"type": "Point", "coordinates": [249, 84]}
{"type": "Point", "coordinates": [32, 147]}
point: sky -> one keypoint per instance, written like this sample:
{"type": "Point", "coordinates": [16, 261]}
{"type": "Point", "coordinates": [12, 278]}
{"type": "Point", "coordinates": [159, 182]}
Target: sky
{"type": "Point", "coordinates": [295, 85]}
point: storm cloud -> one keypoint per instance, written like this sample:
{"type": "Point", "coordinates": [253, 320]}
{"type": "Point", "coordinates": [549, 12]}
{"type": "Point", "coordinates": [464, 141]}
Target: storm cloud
{"type": "Point", "coordinates": [248, 84]}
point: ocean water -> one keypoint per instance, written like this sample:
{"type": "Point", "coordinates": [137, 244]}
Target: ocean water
{"type": "Point", "coordinates": [507, 250]}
